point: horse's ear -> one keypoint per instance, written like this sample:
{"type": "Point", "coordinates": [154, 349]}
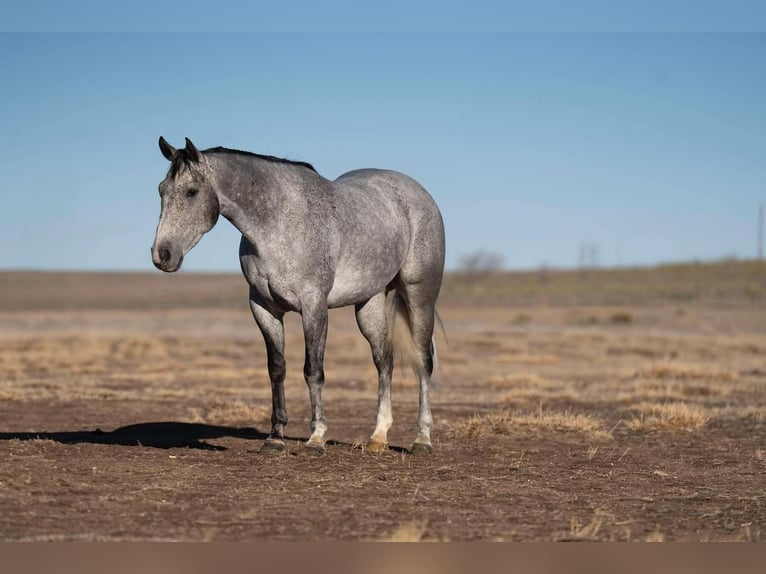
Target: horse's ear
{"type": "Point", "coordinates": [192, 152]}
{"type": "Point", "coordinates": [167, 150]}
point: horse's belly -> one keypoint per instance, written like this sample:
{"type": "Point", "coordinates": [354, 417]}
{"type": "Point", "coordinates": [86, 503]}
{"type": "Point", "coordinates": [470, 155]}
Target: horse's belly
{"type": "Point", "coordinates": [357, 281]}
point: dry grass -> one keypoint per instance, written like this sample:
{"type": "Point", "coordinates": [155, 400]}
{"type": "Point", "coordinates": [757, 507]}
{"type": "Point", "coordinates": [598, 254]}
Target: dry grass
{"type": "Point", "coordinates": [746, 533]}
{"type": "Point", "coordinates": [656, 535]}
{"type": "Point", "coordinates": [506, 423]}
{"type": "Point", "coordinates": [9, 395]}
{"type": "Point", "coordinates": [665, 391]}
{"type": "Point", "coordinates": [657, 368]}
{"type": "Point", "coordinates": [670, 416]}
{"type": "Point", "coordinates": [602, 526]}
{"type": "Point", "coordinates": [527, 388]}
{"type": "Point", "coordinates": [580, 531]}
{"type": "Point", "coordinates": [679, 283]}
{"type": "Point", "coordinates": [133, 367]}
{"type": "Point", "coordinates": [78, 354]}
{"type": "Point", "coordinates": [751, 413]}
{"type": "Point", "coordinates": [232, 413]}
{"type": "Point", "coordinates": [686, 372]}
{"type": "Point", "coordinates": [409, 532]}
{"type": "Point", "coordinates": [526, 359]}
{"type": "Point", "coordinates": [522, 380]}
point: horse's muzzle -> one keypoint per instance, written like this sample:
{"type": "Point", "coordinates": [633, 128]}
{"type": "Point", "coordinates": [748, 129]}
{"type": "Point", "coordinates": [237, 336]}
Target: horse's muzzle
{"type": "Point", "coordinates": [166, 260]}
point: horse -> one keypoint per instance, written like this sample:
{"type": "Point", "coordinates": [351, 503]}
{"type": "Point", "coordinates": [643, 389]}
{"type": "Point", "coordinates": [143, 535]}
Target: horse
{"type": "Point", "coordinates": [371, 238]}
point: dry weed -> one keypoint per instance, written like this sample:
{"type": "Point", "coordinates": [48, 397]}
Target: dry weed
{"type": "Point", "coordinates": [535, 396]}
{"type": "Point", "coordinates": [580, 531]}
{"type": "Point", "coordinates": [680, 371]}
{"type": "Point", "coordinates": [526, 359]}
{"type": "Point", "coordinates": [234, 413]}
{"type": "Point", "coordinates": [523, 380]}
{"type": "Point", "coordinates": [754, 413]}
{"type": "Point", "coordinates": [409, 532]}
{"type": "Point", "coordinates": [585, 531]}
{"type": "Point", "coordinates": [671, 390]}
{"type": "Point", "coordinates": [505, 423]}
{"type": "Point", "coordinates": [10, 395]}
{"type": "Point", "coordinates": [656, 535]}
{"type": "Point", "coordinates": [746, 533]}
{"type": "Point", "coordinates": [674, 416]}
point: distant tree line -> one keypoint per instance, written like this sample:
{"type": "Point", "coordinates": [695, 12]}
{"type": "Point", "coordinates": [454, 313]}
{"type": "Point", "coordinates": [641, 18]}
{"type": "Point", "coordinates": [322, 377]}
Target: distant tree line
{"type": "Point", "coordinates": [480, 260]}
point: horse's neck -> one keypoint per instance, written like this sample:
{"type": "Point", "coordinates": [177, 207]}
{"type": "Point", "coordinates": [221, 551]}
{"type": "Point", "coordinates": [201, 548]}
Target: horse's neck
{"type": "Point", "coordinates": [252, 192]}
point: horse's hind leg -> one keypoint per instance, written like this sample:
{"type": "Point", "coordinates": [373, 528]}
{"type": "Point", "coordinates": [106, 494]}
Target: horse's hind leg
{"type": "Point", "coordinates": [273, 331]}
{"type": "Point", "coordinates": [372, 321]}
{"type": "Point", "coordinates": [421, 306]}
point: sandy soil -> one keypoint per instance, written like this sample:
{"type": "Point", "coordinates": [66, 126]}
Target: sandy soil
{"type": "Point", "coordinates": [551, 423]}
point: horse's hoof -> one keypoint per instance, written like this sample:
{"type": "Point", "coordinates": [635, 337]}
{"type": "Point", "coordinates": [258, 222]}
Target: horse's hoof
{"type": "Point", "coordinates": [271, 445]}
{"type": "Point", "coordinates": [421, 448]}
{"type": "Point", "coordinates": [315, 449]}
{"type": "Point", "coordinates": [376, 446]}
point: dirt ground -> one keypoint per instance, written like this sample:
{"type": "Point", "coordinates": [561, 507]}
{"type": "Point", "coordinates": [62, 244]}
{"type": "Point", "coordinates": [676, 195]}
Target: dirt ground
{"type": "Point", "coordinates": [639, 423]}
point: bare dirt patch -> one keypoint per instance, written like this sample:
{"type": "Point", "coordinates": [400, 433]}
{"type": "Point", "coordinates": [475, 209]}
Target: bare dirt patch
{"type": "Point", "coordinates": [145, 424]}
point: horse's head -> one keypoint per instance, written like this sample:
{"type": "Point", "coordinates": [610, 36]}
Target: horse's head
{"type": "Point", "coordinates": [189, 205]}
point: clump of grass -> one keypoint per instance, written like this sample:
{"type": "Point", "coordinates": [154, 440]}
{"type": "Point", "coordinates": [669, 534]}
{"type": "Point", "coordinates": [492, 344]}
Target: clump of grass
{"type": "Point", "coordinates": [506, 423]}
{"type": "Point", "coordinates": [580, 531]}
{"type": "Point", "coordinates": [753, 291]}
{"type": "Point", "coordinates": [754, 413]}
{"type": "Point", "coordinates": [521, 380]}
{"type": "Point", "coordinates": [658, 390]}
{"type": "Point", "coordinates": [523, 387]}
{"type": "Point", "coordinates": [521, 319]}
{"type": "Point", "coordinates": [408, 532]}
{"type": "Point", "coordinates": [671, 416]}
{"type": "Point", "coordinates": [235, 413]}
{"type": "Point", "coordinates": [516, 396]}
{"type": "Point", "coordinates": [621, 318]}
{"type": "Point", "coordinates": [9, 395]}
{"type": "Point", "coordinates": [681, 371]}
{"type": "Point", "coordinates": [526, 358]}
{"type": "Point", "coordinates": [656, 535]}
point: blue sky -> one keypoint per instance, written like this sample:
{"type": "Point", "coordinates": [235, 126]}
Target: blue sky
{"type": "Point", "coordinates": [390, 16]}
{"type": "Point", "coordinates": [651, 146]}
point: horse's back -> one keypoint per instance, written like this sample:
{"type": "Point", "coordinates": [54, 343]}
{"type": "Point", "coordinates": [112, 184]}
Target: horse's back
{"type": "Point", "coordinates": [384, 183]}
{"type": "Point", "coordinates": [386, 193]}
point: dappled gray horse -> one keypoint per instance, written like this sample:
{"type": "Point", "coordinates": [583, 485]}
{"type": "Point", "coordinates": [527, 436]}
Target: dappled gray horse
{"type": "Point", "coordinates": [309, 244]}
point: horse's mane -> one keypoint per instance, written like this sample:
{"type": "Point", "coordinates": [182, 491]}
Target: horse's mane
{"type": "Point", "coordinates": [266, 157]}
{"type": "Point", "coordinates": [182, 158]}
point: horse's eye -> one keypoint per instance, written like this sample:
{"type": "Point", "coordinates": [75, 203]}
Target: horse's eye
{"type": "Point", "coordinates": [191, 193]}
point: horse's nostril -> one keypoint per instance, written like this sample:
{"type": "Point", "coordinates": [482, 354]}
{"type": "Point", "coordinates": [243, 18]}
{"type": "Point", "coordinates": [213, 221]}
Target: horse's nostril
{"type": "Point", "coordinates": [164, 255]}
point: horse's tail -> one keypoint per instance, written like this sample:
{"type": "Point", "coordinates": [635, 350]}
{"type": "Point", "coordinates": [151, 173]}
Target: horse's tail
{"type": "Point", "coordinates": [402, 342]}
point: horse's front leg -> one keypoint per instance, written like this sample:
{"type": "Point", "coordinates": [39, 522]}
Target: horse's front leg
{"type": "Point", "coordinates": [315, 334]}
{"type": "Point", "coordinates": [273, 331]}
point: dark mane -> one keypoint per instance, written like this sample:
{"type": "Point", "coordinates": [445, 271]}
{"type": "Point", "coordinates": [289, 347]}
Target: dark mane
{"type": "Point", "coordinates": [181, 158]}
{"type": "Point", "coordinates": [266, 157]}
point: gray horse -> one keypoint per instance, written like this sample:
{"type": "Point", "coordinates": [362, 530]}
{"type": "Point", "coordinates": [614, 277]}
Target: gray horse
{"type": "Point", "coordinates": [310, 244]}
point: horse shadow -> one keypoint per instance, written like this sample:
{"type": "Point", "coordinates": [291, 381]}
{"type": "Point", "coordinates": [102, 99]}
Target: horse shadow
{"type": "Point", "coordinates": [164, 435]}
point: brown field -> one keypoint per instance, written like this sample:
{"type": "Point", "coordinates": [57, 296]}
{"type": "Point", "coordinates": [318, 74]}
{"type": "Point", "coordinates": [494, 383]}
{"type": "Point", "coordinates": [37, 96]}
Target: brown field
{"type": "Point", "coordinates": [598, 405]}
